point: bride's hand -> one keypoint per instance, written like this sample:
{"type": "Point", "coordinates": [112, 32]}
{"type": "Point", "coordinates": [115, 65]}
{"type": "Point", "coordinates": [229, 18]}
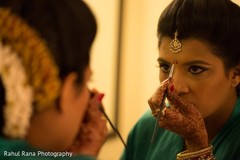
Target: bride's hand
{"type": "Point", "coordinates": [181, 117]}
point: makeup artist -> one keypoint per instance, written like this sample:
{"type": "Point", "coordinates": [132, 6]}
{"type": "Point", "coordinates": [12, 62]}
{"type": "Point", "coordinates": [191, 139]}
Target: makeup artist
{"type": "Point", "coordinates": [46, 109]}
{"type": "Point", "coordinates": [201, 38]}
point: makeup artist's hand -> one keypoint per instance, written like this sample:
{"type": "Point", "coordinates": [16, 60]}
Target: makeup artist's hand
{"type": "Point", "coordinates": [181, 117]}
{"type": "Point", "coordinates": [93, 132]}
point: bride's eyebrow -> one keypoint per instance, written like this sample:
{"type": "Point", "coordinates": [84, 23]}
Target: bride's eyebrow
{"type": "Point", "coordinates": [161, 60]}
{"type": "Point", "coordinates": [194, 62]}
{"type": "Point", "coordinates": [188, 63]}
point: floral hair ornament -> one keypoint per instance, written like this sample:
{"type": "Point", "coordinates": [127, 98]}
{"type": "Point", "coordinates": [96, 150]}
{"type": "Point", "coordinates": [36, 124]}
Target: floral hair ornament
{"type": "Point", "coordinates": [19, 94]}
{"type": "Point", "coordinates": [29, 74]}
{"type": "Point", "coordinates": [175, 45]}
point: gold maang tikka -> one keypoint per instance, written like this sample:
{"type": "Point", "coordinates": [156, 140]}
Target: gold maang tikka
{"type": "Point", "coordinates": [175, 45]}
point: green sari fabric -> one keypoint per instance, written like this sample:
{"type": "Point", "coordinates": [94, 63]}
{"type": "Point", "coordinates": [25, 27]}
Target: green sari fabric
{"type": "Point", "coordinates": [168, 144]}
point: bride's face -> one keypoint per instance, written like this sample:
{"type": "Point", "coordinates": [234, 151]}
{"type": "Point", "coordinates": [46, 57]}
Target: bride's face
{"type": "Point", "coordinates": [199, 76]}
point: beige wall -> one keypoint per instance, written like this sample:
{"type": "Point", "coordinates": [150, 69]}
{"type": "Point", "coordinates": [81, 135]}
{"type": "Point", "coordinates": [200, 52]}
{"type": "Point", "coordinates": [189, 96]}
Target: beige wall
{"type": "Point", "coordinates": [139, 53]}
{"type": "Point", "coordinates": [236, 1]}
{"type": "Point", "coordinates": [103, 58]}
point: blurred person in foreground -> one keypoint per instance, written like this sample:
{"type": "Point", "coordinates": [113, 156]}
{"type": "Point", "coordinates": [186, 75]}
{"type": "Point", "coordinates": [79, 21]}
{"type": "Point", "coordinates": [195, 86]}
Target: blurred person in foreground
{"type": "Point", "coordinates": [47, 109]}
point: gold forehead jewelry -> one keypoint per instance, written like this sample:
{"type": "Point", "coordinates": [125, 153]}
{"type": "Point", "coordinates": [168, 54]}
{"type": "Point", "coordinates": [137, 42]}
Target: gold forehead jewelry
{"type": "Point", "coordinates": [175, 45]}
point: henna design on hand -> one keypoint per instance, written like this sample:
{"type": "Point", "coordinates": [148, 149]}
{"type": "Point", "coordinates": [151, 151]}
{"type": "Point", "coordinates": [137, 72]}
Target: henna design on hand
{"type": "Point", "coordinates": [182, 117]}
{"type": "Point", "coordinates": [155, 101]}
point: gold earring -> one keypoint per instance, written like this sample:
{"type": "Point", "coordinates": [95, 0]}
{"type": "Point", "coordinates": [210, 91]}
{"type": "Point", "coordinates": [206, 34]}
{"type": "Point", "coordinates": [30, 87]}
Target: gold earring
{"type": "Point", "coordinates": [175, 45]}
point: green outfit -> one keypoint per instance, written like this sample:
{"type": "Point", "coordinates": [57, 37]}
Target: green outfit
{"type": "Point", "coordinates": [168, 144]}
{"type": "Point", "coordinates": [20, 150]}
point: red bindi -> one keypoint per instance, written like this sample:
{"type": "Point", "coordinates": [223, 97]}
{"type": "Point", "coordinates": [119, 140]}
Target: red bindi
{"type": "Point", "coordinates": [175, 61]}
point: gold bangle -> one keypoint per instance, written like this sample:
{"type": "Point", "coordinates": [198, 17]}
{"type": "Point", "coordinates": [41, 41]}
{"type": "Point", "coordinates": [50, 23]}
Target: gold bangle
{"type": "Point", "coordinates": [204, 154]}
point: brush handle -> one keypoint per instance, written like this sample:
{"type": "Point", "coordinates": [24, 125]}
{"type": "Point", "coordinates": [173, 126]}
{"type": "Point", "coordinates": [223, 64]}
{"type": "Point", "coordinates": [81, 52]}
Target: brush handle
{"type": "Point", "coordinates": [111, 124]}
{"type": "Point", "coordinates": [158, 117]}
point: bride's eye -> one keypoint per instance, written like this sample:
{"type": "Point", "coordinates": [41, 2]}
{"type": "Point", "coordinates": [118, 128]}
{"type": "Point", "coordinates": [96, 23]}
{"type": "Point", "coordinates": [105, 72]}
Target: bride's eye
{"type": "Point", "coordinates": [196, 69]}
{"type": "Point", "coordinates": [165, 68]}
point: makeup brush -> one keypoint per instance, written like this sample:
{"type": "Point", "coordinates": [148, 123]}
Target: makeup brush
{"type": "Point", "coordinates": [161, 105]}
{"type": "Point", "coordinates": [108, 119]}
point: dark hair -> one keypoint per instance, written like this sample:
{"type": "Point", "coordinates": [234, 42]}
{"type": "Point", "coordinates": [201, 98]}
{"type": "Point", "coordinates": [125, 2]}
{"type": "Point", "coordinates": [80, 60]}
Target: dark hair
{"type": "Point", "coordinates": [68, 28]}
{"type": "Point", "coordinates": [216, 22]}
